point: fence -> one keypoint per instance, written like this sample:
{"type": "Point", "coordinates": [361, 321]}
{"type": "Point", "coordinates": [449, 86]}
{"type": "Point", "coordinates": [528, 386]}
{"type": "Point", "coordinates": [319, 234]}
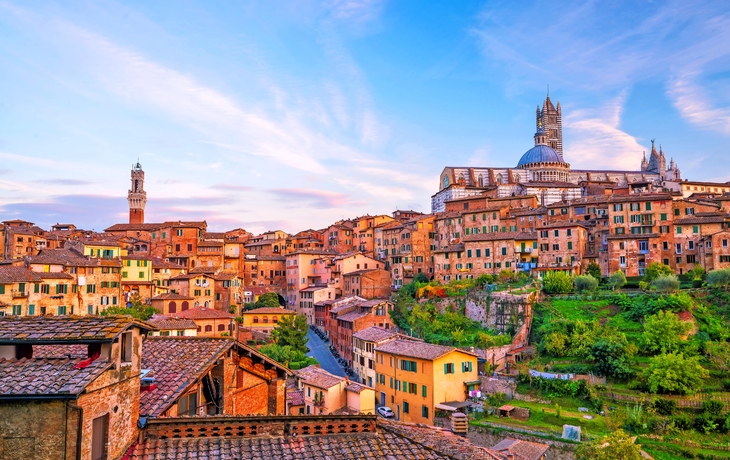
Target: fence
{"type": "Point", "coordinates": [694, 401]}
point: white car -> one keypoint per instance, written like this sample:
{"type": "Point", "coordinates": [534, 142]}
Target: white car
{"type": "Point", "coordinates": [386, 412]}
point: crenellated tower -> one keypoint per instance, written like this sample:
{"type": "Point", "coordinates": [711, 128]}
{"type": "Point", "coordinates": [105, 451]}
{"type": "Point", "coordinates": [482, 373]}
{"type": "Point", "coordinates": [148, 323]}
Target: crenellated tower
{"type": "Point", "coordinates": [136, 196]}
{"type": "Point", "coordinates": [551, 120]}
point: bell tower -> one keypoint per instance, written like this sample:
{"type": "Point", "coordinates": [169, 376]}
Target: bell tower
{"type": "Point", "coordinates": [136, 196]}
{"type": "Point", "coordinates": [551, 119]}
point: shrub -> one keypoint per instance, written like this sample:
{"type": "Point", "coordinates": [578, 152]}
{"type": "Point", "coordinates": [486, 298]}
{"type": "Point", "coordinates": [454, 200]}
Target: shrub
{"type": "Point", "coordinates": [658, 425]}
{"type": "Point", "coordinates": [663, 332]}
{"type": "Point", "coordinates": [664, 406]}
{"type": "Point", "coordinates": [682, 421]}
{"type": "Point", "coordinates": [617, 280]}
{"type": "Point", "coordinates": [726, 384]}
{"type": "Point", "coordinates": [719, 279]}
{"type": "Point", "coordinates": [585, 283]}
{"type": "Point", "coordinates": [557, 283]}
{"type": "Point", "coordinates": [704, 423]}
{"type": "Point", "coordinates": [666, 283]}
{"type": "Point", "coordinates": [655, 270]}
{"type": "Point", "coordinates": [713, 407]}
{"type": "Point", "coordinates": [594, 270]}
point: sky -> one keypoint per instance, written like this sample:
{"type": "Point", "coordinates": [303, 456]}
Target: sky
{"type": "Point", "coordinates": [294, 114]}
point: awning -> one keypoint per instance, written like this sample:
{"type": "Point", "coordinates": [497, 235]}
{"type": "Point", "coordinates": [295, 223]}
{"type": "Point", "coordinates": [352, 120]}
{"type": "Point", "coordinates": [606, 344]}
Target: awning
{"type": "Point", "coordinates": [473, 382]}
{"type": "Point", "coordinates": [452, 405]}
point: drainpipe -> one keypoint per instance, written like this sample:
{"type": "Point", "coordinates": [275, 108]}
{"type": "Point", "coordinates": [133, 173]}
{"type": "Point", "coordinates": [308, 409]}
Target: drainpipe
{"type": "Point", "coordinates": [79, 428]}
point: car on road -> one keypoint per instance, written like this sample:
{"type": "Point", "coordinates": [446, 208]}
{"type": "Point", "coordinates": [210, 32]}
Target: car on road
{"type": "Point", "coordinates": [386, 412]}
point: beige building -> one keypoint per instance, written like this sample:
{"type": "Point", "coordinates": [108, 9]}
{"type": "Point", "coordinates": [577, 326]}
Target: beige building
{"type": "Point", "coordinates": [325, 393]}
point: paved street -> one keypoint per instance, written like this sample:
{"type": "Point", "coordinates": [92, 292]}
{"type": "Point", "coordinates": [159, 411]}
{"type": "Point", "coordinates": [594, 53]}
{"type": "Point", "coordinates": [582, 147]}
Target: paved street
{"type": "Point", "coordinates": [321, 352]}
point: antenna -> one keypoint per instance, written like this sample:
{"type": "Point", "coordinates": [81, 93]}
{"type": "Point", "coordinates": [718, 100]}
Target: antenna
{"type": "Point", "coordinates": [548, 89]}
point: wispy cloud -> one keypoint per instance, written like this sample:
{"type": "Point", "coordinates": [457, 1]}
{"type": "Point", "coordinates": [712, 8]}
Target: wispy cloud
{"type": "Point", "coordinates": [233, 187]}
{"type": "Point", "coordinates": [62, 181]}
{"type": "Point", "coordinates": [294, 197]}
{"type": "Point", "coordinates": [597, 141]}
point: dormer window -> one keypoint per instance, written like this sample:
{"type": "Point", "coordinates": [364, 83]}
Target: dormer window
{"type": "Point", "coordinates": [127, 347]}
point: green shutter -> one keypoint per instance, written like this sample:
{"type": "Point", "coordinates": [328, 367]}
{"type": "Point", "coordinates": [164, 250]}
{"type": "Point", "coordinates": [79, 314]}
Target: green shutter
{"type": "Point", "coordinates": [446, 368]}
{"type": "Point", "coordinates": [423, 390]}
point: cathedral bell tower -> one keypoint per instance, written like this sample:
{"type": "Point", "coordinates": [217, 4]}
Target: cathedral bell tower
{"type": "Point", "coordinates": [550, 118]}
{"type": "Point", "coordinates": [136, 196]}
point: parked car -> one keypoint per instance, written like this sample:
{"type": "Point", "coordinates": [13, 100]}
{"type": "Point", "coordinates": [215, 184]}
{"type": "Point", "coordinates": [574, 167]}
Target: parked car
{"type": "Point", "coordinates": [386, 412]}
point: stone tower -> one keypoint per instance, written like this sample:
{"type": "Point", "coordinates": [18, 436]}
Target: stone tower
{"type": "Point", "coordinates": [136, 196]}
{"type": "Point", "coordinates": [551, 118]}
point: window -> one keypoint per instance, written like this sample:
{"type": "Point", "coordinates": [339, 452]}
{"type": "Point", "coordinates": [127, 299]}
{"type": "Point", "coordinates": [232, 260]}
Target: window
{"type": "Point", "coordinates": [187, 404]}
{"type": "Point", "coordinates": [31, 309]}
{"type": "Point", "coordinates": [424, 411]}
{"type": "Point", "coordinates": [17, 310]}
{"type": "Point", "coordinates": [405, 407]}
{"type": "Point", "coordinates": [466, 366]}
{"type": "Point", "coordinates": [127, 347]}
{"type": "Point", "coordinates": [648, 206]}
{"type": "Point", "coordinates": [724, 243]}
{"type": "Point", "coordinates": [622, 261]}
{"type": "Point", "coordinates": [679, 230]}
{"type": "Point", "coordinates": [179, 232]}
{"type": "Point", "coordinates": [570, 245]}
{"type": "Point", "coordinates": [61, 311]}
{"type": "Point", "coordinates": [663, 216]}
{"type": "Point", "coordinates": [410, 366]}
{"type": "Point", "coordinates": [695, 229]}
{"type": "Point", "coordinates": [208, 328]}
{"type": "Point", "coordinates": [556, 233]}
{"type": "Point", "coordinates": [679, 248]}
{"type": "Point", "coordinates": [424, 391]}
{"type": "Point", "coordinates": [448, 368]}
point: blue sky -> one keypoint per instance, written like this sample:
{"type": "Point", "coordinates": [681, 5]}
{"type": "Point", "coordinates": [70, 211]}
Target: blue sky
{"type": "Point", "coordinates": [293, 114]}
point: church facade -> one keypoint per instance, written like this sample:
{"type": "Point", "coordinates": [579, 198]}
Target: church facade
{"type": "Point", "coordinates": [543, 172]}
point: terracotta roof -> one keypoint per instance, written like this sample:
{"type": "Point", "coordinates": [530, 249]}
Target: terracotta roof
{"type": "Point", "coordinates": [318, 377]}
{"type": "Point", "coordinates": [65, 257]}
{"type": "Point", "coordinates": [501, 236]}
{"type": "Point", "coordinates": [225, 276]}
{"type": "Point", "coordinates": [46, 377]}
{"type": "Point", "coordinates": [161, 263]}
{"type": "Point", "coordinates": [203, 313]}
{"type": "Point", "coordinates": [362, 272]}
{"type": "Point", "coordinates": [413, 349]}
{"type": "Point", "coordinates": [352, 316]}
{"type": "Point", "coordinates": [356, 387]}
{"type": "Point", "coordinates": [171, 296]}
{"type": "Point", "coordinates": [374, 334]}
{"type": "Point", "coordinates": [55, 275]}
{"type": "Point", "coordinates": [79, 329]}
{"type": "Point", "coordinates": [76, 350]}
{"type": "Point", "coordinates": [204, 270]}
{"type": "Point", "coordinates": [295, 397]}
{"type": "Point", "coordinates": [522, 450]}
{"type": "Point", "coordinates": [270, 311]}
{"type": "Point", "coordinates": [133, 227]}
{"type": "Point", "coordinates": [389, 440]}
{"type": "Point", "coordinates": [165, 323]}
{"type": "Point", "coordinates": [10, 274]}
{"type": "Point", "coordinates": [459, 247]}
{"type": "Point", "coordinates": [176, 363]}
{"type": "Point", "coordinates": [701, 220]}
{"type": "Point", "coordinates": [277, 258]}
{"type": "Point", "coordinates": [218, 244]}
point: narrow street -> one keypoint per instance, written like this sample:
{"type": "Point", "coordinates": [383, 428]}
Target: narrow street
{"type": "Point", "coordinates": [321, 352]}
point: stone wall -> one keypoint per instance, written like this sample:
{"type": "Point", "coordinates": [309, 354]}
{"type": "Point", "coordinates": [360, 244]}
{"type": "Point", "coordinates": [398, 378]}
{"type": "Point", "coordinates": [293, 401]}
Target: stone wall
{"type": "Point", "coordinates": [486, 437]}
{"type": "Point", "coordinates": [37, 429]}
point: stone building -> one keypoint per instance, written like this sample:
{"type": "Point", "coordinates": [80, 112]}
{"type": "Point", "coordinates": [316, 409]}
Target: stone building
{"type": "Point", "coordinates": [136, 196]}
{"type": "Point", "coordinates": [71, 386]}
{"type": "Point", "coordinates": [325, 393]}
{"type": "Point", "coordinates": [543, 171]}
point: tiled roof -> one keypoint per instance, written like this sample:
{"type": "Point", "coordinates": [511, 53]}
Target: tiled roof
{"type": "Point", "coordinates": [171, 296]}
{"type": "Point", "coordinates": [459, 247]}
{"type": "Point", "coordinates": [318, 377]}
{"type": "Point", "coordinates": [203, 313]}
{"type": "Point", "coordinates": [295, 397]}
{"type": "Point", "coordinates": [213, 244]}
{"type": "Point", "coordinates": [225, 276]}
{"type": "Point", "coordinates": [176, 363]}
{"type": "Point", "coordinates": [270, 311]}
{"type": "Point", "coordinates": [352, 316]}
{"type": "Point", "coordinates": [374, 334]}
{"type": "Point", "coordinates": [80, 329]}
{"type": "Point", "coordinates": [415, 349]}
{"type": "Point", "coordinates": [165, 323]}
{"type": "Point", "coordinates": [501, 236]}
{"type": "Point", "coordinates": [161, 263]}
{"type": "Point", "coordinates": [522, 450]}
{"type": "Point", "coordinates": [361, 272]}
{"type": "Point", "coordinates": [55, 276]}
{"type": "Point", "coordinates": [205, 270]}
{"type": "Point", "coordinates": [356, 387]}
{"type": "Point", "coordinates": [66, 257]}
{"type": "Point", "coordinates": [76, 350]}
{"type": "Point", "coordinates": [10, 274]}
{"type": "Point", "coordinates": [701, 220]}
{"type": "Point", "coordinates": [386, 444]}
{"type": "Point", "coordinates": [133, 227]}
{"type": "Point", "coordinates": [46, 377]}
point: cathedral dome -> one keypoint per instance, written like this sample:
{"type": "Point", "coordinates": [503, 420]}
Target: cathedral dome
{"type": "Point", "coordinates": [540, 154]}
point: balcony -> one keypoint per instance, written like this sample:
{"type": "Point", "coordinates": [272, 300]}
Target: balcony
{"type": "Point", "coordinates": [20, 294]}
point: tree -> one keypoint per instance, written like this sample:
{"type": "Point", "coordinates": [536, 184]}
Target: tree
{"type": "Point", "coordinates": [655, 270]}
{"type": "Point", "coordinates": [557, 283]}
{"type": "Point", "coordinates": [137, 309]}
{"type": "Point", "coordinates": [663, 332]}
{"type": "Point", "coordinates": [420, 278]}
{"type": "Point", "coordinates": [594, 270]}
{"type": "Point", "coordinates": [268, 299]}
{"type": "Point", "coordinates": [292, 331]}
{"type": "Point", "coordinates": [611, 354]}
{"type": "Point", "coordinates": [697, 272]}
{"type": "Point", "coordinates": [617, 280]}
{"type": "Point", "coordinates": [318, 401]}
{"type": "Point", "coordinates": [615, 446]}
{"type": "Point", "coordinates": [719, 279]}
{"type": "Point", "coordinates": [286, 355]}
{"type": "Point", "coordinates": [555, 344]}
{"type": "Point", "coordinates": [585, 283]}
{"type": "Point", "coordinates": [675, 373]}
{"type": "Point", "coordinates": [719, 354]}
{"type": "Point", "coordinates": [666, 283]}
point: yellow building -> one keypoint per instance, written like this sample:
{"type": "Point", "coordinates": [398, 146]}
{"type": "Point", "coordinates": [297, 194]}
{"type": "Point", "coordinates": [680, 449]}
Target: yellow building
{"type": "Point", "coordinates": [412, 378]}
{"type": "Point", "coordinates": [137, 277]}
{"type": "Point", "coordinates": [264, 319]}
{"type": "Point", "coordinates": [325, 393]}
{"type": "Point", "coordinates": [526, 251]}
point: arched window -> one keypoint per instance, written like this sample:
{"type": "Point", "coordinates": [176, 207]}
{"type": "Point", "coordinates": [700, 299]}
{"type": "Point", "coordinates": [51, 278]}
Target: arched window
{"type": "Point", "coordinates": [184, 306]}
{"type": "Point", "coordinates": [221, 327]}
{"type": "Point", "coordinates": [206, 304]}
{"type": "Point", "coordinates": [172, 307]}
{"type": "Point", "coordinates": [274, 319]}
{"type": "Point", "coordinates": [255, 319]}
{"type": "Point", "coordinates": [446, 181]}
{"type": "Point", "coordinates": [196, 304]}
{"type": "Point", "coordinates": [208, 328]}
{"type": "Point", "coordinates": [199, 329]}
{"type": "Point", "coordinates": [266, 320]}
{"type": "Point", "coordinates": [481, 181]}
